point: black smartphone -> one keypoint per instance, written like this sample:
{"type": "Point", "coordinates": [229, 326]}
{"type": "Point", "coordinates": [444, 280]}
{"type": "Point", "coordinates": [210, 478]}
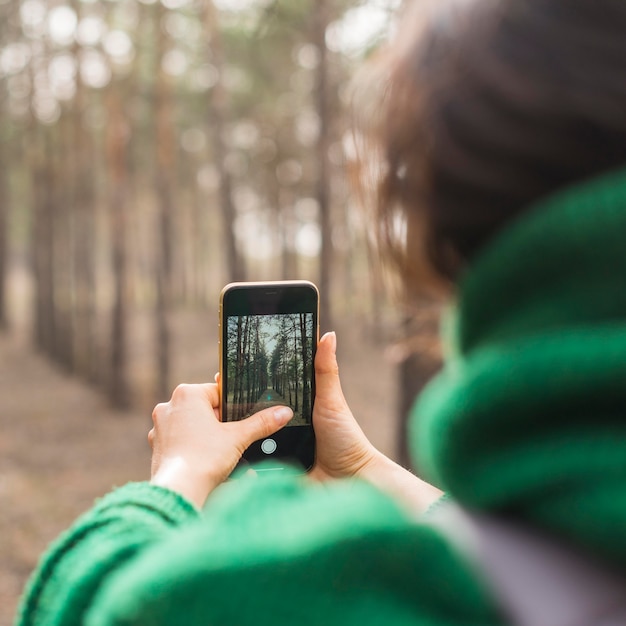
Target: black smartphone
{"type": "Point", "coordinates": [268, 338]}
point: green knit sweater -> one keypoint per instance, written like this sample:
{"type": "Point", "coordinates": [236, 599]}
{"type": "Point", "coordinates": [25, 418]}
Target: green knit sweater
{"type": "Point", "coordinates": [266, 552]}
{"type": "Point", "coordinates": [527, 417]}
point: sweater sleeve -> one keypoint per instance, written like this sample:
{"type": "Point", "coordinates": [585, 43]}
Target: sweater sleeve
{"type": "Point", "coordinates": [120, 526]}
{"type": "Point", "coordinates": [282, 551]}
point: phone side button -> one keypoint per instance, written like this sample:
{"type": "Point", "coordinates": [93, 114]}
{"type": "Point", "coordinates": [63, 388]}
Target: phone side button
{"type": "Point", "coordinates": [268, 446]}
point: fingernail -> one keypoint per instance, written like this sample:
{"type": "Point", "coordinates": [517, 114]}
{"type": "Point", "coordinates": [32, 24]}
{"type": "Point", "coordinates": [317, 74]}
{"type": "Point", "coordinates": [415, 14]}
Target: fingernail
{"type": "Point", "coordinates": [331, 337]}
{"type": "Point", "coordinates": [283, 414]}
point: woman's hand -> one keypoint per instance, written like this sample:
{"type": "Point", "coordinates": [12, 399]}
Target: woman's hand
{"type": "Point", "coordinates": [343, 450]}
{"type": "Point", "coordinates": [192, 450]}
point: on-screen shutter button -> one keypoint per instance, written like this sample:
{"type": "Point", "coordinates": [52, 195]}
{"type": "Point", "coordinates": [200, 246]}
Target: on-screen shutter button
{"type": "Point", "coordinates": [268, 446]}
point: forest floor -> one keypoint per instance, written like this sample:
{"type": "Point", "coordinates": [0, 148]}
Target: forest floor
{"type": "Point", "coordinates": [61, 446]}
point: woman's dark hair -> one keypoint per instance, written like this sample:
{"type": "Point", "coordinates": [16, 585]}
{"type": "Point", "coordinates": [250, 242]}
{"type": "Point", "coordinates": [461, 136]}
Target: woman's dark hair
{"type": "Point", "coordinates": [486, 106]}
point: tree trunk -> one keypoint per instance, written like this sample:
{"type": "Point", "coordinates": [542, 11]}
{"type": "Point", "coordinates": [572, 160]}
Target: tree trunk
{"type": "Point", "coordinates": [216, 120]}
{"type": "Point", "coordinates": [234, 383]}
{"type": "Point", "coordinates": [306, 391]}
{"type": "Point", "coordinates": [296, 365]}
{"type": "Point", "coordinates": [42, 242]}
{"type": "Point", "coordinates": [322, 191]}
{"type": "Point", "coordinates": [57, 161]}
{"type": "Point", "coordinates": [82, 203]}
{"type": "Point", "coordinates": [4, 236]}
{"type": "Point", "coordinates": [4, 196]}
{"type": "Point", "coordinates": [59, 218]}
{"type": "Point", "coordinates": [165, 149]}
{"type": "Point", "coordinates": [41, 235]}
{"type": "Point", "coordinates": [287, 224]}
{"type": "Point", "coordinates": [116, 143]}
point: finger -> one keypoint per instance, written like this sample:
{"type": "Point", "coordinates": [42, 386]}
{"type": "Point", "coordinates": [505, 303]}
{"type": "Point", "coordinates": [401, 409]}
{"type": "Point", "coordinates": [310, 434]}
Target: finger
{"type": "Point", "coordinates": [328, 390]}
{"type": "Point", "coordinates": [210, 393]}
{"type": "Point", "coordinates": [151, 437]}
{"type": "Point", "coordinates": [158, 410]}
{"type": "Point", "coordinates": [218, 409]}
{"type": "Point", "coordinates": [262, 424]}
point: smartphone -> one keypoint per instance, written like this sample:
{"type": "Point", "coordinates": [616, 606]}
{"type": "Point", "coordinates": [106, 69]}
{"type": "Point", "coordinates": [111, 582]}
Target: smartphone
{"type": "Point", "coordinates": [268, 338]}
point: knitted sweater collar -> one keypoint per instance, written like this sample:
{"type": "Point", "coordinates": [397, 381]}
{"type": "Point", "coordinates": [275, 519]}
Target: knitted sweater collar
{"type": "Point", "coordinates": [529, 413]}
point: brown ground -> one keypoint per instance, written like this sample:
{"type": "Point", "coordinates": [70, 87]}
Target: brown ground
{"type": "Point", "coordinates": [61, 446]}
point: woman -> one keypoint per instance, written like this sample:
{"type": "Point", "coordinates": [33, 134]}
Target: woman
{"type": "Point", "coordinates": [502, 132]}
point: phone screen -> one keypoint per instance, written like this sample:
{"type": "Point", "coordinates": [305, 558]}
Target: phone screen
{"type": "Point", "coordinates": [269, 361]}
{"type": "Point", "coordinates": [269, 336]}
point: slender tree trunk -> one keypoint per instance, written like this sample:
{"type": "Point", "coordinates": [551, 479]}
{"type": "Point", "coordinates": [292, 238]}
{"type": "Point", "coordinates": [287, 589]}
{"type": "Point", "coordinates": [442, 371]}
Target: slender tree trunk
{"type": "Point", "coordinates": [234, 384]}
{"type": "Point", "coordinates": [42, 242]}
{"type": "Point", "coordinates": [59, 214]}
{"type": "Point", "coordinates": [4, 195]}
{"type": "Point", "coordinates": [296, 367]}
{"type": "Point", "coordinates": [287, 224]}
{"type": "Point", "coordinates": [84, 233]}
{"type": "Point", "coordinates": [199, 235]}
{"type": "Point", "coordinates": [58, 159]}
{"type": "Point", "coordinates": [306, 392]}
{"type": "Point", "coordinates": [117, 139]}
{"type": "Point", "coordinates": [165, 150]}
{"type": "Point", "coordinates": [4, 236]}
{"type": "Point", "coordinates": [41, 235]}
{"type": "Point", "coordinates": [321, 20]}
{"type": "Point", "coordinates": [217, 117]}
{"type": "Point", "coordinates": [242, 371]}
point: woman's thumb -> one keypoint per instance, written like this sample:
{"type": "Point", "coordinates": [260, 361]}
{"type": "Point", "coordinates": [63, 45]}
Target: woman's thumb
{"type": "Point", "coordinates": [263, 423]}
{"type": "Point", "coordinates": [327, 384]}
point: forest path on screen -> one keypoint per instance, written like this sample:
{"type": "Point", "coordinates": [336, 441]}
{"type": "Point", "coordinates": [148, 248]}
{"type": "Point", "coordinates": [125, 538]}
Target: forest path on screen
{"type": "Point", "coordinates": [271, 397]}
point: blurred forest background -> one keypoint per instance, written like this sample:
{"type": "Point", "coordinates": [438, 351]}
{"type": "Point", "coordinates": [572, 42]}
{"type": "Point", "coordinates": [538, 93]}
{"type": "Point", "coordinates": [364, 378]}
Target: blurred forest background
{"type": "Point", "coordinates": [150, 152]}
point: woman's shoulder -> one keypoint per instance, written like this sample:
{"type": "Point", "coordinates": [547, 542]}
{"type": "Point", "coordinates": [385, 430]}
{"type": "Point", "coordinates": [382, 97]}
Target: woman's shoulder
{"type": "Point", "coordinates": [283, 550]}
